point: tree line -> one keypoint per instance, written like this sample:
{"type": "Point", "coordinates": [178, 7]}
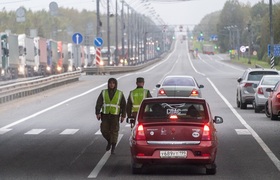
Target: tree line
{"type": "Point", "coordinates": [239, 24]}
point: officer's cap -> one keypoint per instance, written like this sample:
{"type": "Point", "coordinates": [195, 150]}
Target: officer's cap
{"type": "Point", "coordinates": [140, 79]}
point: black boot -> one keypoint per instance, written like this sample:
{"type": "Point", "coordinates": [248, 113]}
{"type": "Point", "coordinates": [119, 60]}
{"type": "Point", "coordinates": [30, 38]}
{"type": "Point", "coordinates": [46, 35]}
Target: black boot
{"type": "Point", "coordinates": [108, 147]}
{"type": "Point", "coordinates": [113, 148]}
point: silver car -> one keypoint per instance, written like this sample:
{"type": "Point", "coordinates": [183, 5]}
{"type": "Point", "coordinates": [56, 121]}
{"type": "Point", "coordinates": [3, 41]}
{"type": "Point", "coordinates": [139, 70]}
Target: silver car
{"type": "Point", "coordinates": [261, 95]}
{"type": "Point", "coordinates": [180, 86]}
{"type": "Point", "coordinates": [245, 87]}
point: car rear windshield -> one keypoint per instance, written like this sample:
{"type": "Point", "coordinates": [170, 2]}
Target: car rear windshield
{"type": "Point", "coordinates": [178, 81]}
{"type": "Point", "coordinates": [257, 75]}
{"type": "Point", "coordinates": [181, 112]}
{"type": "Point", "coordinates": [270, 80]}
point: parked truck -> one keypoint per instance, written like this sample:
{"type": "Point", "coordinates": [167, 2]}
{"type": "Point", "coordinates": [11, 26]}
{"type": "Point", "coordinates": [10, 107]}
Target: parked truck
{"type": "Point", "coordinates": [10, 66]}
{"type": "Point", "coordinates": [74, 52]}
{"type": "Point", "coordinates": [41, 55]}
{"type": "Point", "coordinates": [59, 64]}
{"type": "Point", "coordinates": [65, 62]}
{"type": "Point", "coordinates": [52, 55]}
{"type": "Point", "coordinates": [27, 55]}
{"type": "Point", "coordinates": [208, 49]}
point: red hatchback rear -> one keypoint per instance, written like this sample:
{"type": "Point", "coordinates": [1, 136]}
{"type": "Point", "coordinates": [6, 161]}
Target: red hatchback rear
{"type": "Point", "coordinates": [174, 130]}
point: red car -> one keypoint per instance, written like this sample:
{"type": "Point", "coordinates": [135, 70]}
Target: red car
{"type": "Point", "coordinates": [272, 106]}
{"type": "Point", "coordinates": [174, 130]}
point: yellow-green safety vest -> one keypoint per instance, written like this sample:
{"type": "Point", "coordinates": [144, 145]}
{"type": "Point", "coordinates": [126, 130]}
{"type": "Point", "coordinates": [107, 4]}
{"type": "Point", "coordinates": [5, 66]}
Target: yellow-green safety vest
{"type": "Point", "coordinates": [111, 106]}
{"type": "Point", "coordinates": [136, 96]}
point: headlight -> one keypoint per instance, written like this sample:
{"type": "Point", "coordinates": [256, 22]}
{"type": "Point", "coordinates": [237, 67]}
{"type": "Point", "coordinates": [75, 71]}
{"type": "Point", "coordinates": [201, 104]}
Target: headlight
{"type": "Point", "coordinates": [2, 72]}
{"type": "Point", "coordinates": [58, 68]}
{"type": "Point", "coordinates": [48, 68]}
{"type": "Point", "coordinates": [21, 69]}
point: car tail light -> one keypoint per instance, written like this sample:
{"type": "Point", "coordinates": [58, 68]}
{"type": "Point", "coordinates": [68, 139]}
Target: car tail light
{"type": "Point", "coordinates": [206, 135]}
{"type": "Point", "coordinates": [278, 96]}
{"type": "Point", "coordinates": [140, 134]}
{"type": "Point", "coordinates": [248, 84]}
{"type": "Point", "coordinates": [260, 90]}
{"type": "Point", "coordinates": [161, 92]}
{"type": "Point", "coordinates": [194, 92]}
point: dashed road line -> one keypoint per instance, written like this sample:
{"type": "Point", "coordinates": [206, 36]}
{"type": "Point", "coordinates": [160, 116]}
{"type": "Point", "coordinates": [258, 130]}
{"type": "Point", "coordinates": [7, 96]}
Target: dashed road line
{"type": "Point", "coordinates": [35, 131]}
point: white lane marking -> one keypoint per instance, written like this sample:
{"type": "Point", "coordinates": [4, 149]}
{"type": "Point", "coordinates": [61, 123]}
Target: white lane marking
{"type": "Point", "coordinates": [69, 131]}
{"type": "Point", "coordinates": [233, 67]}
{"type": "Point", "coordinates": [266, 149]}
{"type": "Point", "coordinates": [35, 131]}
{"type": "Point", "coordinates": [189, 57]}
{"type": "Point", "coordinates": [220, 57]}
{"type": "Point", "coordinates": [127, 125]}
{"type": "Point", "coordinates": [102, 161]}
{"type": "Point", "coordinates": [243, 132]}
{"type": "Point", "coordinates": [3, 131]}
{"type": "Point", "coordinates": [50, 108]}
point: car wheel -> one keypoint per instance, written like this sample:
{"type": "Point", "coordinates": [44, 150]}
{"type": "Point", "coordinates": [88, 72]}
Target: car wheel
{"type": "Point", "coordinates": [211, 171]}
{"type": "Point", "coordinates": [136, 168]}
{"type": "Point", "coordinates": [237, 101]}
{"type": "Point", "coordinates": [257, 108]}
{"type": "Point", "coordinates": [266, 111]}
{"type": "Point", "coordinates": [242, 105]}
{"type": "Point", "coordinates": [273, 116]}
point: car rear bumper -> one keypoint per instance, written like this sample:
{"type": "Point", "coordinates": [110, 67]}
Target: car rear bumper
{"type": "Point", "coordinates": [248, 99]}
{"type": "Point", "coordinates": [202, 154]}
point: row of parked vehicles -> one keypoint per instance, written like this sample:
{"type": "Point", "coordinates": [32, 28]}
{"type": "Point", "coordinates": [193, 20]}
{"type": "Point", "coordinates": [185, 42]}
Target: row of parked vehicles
{"type": "Point", "coordinates": [24, 56]}
{"type": "Point", "coordinates": [261, 88]}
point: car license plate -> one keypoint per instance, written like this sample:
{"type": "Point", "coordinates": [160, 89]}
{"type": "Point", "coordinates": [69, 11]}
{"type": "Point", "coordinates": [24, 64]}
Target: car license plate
{"type": "Point", "coordinates": [173, 154]}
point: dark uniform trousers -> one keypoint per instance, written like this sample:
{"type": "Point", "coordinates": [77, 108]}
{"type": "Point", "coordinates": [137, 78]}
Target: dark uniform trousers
{"type": "Point", "coordinates": [110, 129]}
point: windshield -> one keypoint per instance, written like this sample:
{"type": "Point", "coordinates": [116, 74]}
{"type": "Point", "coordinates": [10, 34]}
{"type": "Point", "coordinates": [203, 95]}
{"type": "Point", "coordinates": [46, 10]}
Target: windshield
{"type": "Point", "coordinates": [178, 81]}
{"type": "Point", "coordinates": [185, 111]}
{"type": "Point", "coordinates": [257, 75]}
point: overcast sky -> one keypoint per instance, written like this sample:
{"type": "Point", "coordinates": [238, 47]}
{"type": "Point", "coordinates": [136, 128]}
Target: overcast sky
{"type": "Point", "coordinates": [172, 13]}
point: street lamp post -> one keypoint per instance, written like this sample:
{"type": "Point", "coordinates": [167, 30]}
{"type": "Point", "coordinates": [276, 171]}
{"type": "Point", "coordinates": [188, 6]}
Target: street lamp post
{"type": "Point", "coordinates": [249, 44]}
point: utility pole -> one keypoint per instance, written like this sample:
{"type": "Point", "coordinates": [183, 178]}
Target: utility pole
{"type": "Point", "coordinates": [122, 31]}
{"type": "Point", "coordinates": [98, 19]}
{"type": "Point", "coordinates": [249, 49]}
{"type": "Point", "coordinates": [128, 35]}
{"type": "Point", "coordinates": [271, 36]}
{"type": "Point", "coordinates": [108, 31]}
{"type": "Point", "coordinates": [117, 42]}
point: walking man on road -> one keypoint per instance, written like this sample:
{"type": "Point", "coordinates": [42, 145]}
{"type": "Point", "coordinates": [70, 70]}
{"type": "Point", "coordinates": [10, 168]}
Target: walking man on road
{"type": "Point", "coordinates": [110, 109]}
{"type": "Point", "coordinates": [135, 98]}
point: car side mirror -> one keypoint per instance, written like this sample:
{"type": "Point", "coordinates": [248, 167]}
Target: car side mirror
{"type": "Point", "coordinates": [218, 120]}
{"type": "Point", "coordinates": [201, 86]}
{"type": "Point", "coordinates": [268, 90]}
{"type": "Point", "coordinates": [158, 85]}
{"type": "Point", "coordinates": [239, 80]}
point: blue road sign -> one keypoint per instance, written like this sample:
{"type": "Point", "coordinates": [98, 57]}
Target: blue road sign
{"type": "Point", "coordinates": [98, 42]}
{"type": "Point", "coordinates": [276, 50]}
{"type": "Point", "coordinates": [77, 38]}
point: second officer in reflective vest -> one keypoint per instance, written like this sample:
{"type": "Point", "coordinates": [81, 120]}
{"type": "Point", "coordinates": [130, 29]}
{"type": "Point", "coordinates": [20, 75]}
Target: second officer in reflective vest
{"type": "Point", "coordinates": [135, 98]}
{"type": "Point", "coordinates": [110, 108]}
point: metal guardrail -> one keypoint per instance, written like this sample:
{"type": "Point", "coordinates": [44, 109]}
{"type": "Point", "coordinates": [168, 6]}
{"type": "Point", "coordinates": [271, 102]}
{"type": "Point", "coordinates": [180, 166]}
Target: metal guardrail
{"type": "Point", "coordinates": [118, 69]}
{"type": "Point", "coordinates": [21, 89]}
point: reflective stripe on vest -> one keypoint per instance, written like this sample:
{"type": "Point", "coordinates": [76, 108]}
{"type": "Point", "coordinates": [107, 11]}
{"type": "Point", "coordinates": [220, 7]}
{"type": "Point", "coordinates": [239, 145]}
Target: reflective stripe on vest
{"type": "Point", "coordinates": [136, 96]}
{"type": "Point", "coordinates": [111, 106]}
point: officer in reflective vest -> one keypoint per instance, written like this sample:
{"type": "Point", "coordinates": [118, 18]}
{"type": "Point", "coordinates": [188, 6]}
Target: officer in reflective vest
{"type": "Point", "coordinates": [110, 108]}
{"type": "Point", "coordinates": [135, 98]}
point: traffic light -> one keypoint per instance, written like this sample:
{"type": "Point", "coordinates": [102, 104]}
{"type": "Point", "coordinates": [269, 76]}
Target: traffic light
{"type": "Point", "coordinates": [201, 33]}
{"type": "Point", "coordinates": [158, 48]}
